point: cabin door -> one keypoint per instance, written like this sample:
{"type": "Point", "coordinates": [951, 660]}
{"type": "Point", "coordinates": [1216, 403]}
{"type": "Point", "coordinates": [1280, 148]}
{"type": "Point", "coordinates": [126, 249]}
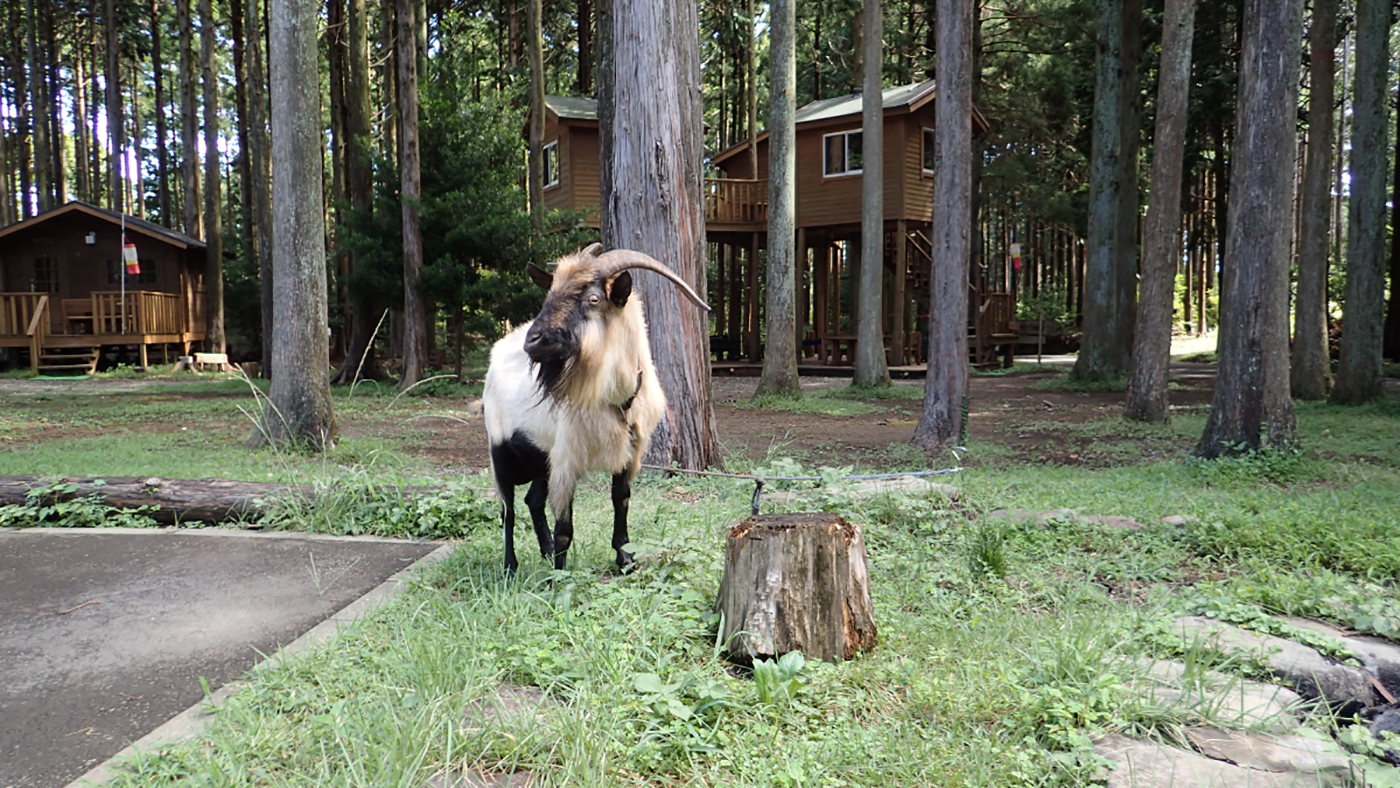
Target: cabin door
{"type": "Point", "coordinates": [45, 266]}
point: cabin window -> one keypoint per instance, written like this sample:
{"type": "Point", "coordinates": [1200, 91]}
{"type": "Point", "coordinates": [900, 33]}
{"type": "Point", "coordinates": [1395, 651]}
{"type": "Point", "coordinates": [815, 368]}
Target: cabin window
{"type": "Point", "coordinates": [44, 280]}
{"type": "Point", "coordinates": [115, 268]}
{"type": "Point", "coordinates": [550, 159]}
{"type": "Point", "coordinates": [928, 151]}
{"type": "Point", "coordinates": [842, 153]}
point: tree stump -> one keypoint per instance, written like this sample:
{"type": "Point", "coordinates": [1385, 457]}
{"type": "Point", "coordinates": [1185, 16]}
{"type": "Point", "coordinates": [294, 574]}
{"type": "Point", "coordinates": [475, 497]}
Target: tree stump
{"type": "Point", "coordinates": [796, 582]}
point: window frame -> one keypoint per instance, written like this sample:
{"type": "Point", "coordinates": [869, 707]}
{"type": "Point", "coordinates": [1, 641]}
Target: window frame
{"type": "Point", "coordinates": [930, 149]}
{"type": "Point", "coordinates": [50, 281]}
{"type": "Point", "coordinates": [845, 153]}
{"type": "Point", "coordinates": [544, 163]}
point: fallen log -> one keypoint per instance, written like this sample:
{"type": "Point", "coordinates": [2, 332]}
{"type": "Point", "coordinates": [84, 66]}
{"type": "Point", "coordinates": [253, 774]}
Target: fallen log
{"type": "Point", "coordinates": [174, 500]}
{"type": "Point", "coordinates": [796, 582]}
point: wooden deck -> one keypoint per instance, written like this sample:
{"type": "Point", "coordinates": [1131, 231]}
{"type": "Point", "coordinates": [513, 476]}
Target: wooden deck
{"type": "Point", "coordinates": [43, 324]}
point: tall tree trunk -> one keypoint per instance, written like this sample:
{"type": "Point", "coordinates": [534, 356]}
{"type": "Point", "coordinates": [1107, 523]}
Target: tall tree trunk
{"type": "Point", "coordinates": [53, 102]}
{"type": "Point", "coordinates": [415, 349]}
{"type": "Point", "coordinates": [1251, 390]}
{"type": "Point", "coordinates": [96, 176]}
{"type": "Point", "coordinates": [1125, 252]}
{"type": "Point", "coordinates": [38, 104]}
{"type": "Point", "coordinates": [299, 405]}
{"type": "Point", "coordinates": [780, 359]}
{"type": "Point", "coordinates": [1360, 374]}
{"type": "Point", "coordinates": [163, 156]}
{"type": "Point", "coordinates": [260, 161]}
{"type": "Point", "coordinates": [535, 45]}
{"type": "Point", "coordinates": [651, 170]}
{"type": "Point", "coordinates": [189, 123]}
{"type": "Point", "coordinates": [751, 85]}
{"type": "Point", "coordinates": [871, 369]}
{"type": "Point", "coordinates": [584, 19]}
{"type": "Point", "coordinates": [116, 126]}
{"type": "Point", "coordinates": [1099, 355]}
{"type": "Point", "coordinates": [1152, 340]}
{"type": "Point", "coordinates": [1391, 341]}
{"type": "Point", "coordinates": [359, 358]}
{"type": "Point", "coordinates": [240, 103]}
{"type": "Point", "coordinates": [80, 127]}
{"type": "Point", "coordinates": [213, 225]}
{"type": "Point", "coordinates": [1312, 368]}
{"type": "Point", "coordinates": [945, 388]}
{"type": "Point", "coordinates": [389, 81]}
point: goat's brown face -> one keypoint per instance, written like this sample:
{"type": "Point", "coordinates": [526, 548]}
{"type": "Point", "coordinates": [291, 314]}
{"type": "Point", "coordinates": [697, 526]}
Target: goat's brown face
{"type": "Point", "coordinates": [573, 312]}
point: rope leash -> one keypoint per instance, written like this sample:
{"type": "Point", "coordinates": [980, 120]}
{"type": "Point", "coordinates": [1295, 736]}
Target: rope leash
{"type": "Point", "coordinates": [759, 481]}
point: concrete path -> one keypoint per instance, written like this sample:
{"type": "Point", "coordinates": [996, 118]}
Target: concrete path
{"type": "Point", "coordinates": [106, 633]}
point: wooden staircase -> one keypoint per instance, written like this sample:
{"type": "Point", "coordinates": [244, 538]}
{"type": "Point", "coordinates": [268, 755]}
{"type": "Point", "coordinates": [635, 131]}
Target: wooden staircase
{"type": "Point", "coordinates": [68, 360]}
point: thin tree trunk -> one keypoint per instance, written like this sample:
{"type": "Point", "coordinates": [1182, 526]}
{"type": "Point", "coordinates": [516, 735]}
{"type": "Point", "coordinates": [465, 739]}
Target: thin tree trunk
{"type": "Point", "coordinates": [158, 77]}
{"type": "Point", "coordinates": [258, 151]}
{"type": "Point", "coordinates": [53, 102]}
{"type": "Point", "coordinates": [115, 124]}
{"type": "Point", "coordinates": [651, 169]}
{"type": "Point", "coordinates": [871, 368]}
{"type": "Point", "coordinates": [1098, 351]}
{"type": "Point", "coordinates": [1360, 374]}
{"type": "Point", "coordinates": [780, 359]}
{"type": "Point", "coordinates": [213, 224]}
{"type": "Point", "coordinates": [81, 171]}
{"type": "Point", "coordinates": [359, 358]}
{"type": "Point", "coordinates": [1152, 340]}
{"type": "Point", "coordinates": [38, 95]}
{"type": "Point", "coordinates": [1311, 368]}
{"type": "Point", "coordinates": [1391, 341]}
{"type": "Point", "coordinates": [585, 47]}
{"type": "Point", "coordinates": [240, 101]}
{"type": "Point", "coordinates": [415, 320]}
{"type": "Point", "coordinates": [1251, 401]}
{"type": "Point", "coordinates": [299, 405]}
{"type": "Point", "coordinates": [945, 388]}
{"type": "Point", "coordinates": [535, 46]}
{"type": "Point", "coordinates": [388, 81]}
{"type": "Point", "coordinates": [751, 84]}
{"type": "Point", "coordinates": [1125, 252]}
{"type": "Point", "coordinates": [189, 124]}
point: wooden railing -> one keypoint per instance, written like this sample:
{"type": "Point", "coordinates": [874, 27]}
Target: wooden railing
{"type": "Point", "coordinates": [998, 313]}
{"type": "Point", "coordinates": [17, 311]}
{"type": "Point", "coordinates": [739, 201]}
{"type": "Point", "coordinates": [137, 312]}
{"type": "Point", "coordinates": [37, 329]}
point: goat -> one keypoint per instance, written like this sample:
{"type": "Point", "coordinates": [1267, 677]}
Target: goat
{"type": "Point", "coordinates": [573, 391]}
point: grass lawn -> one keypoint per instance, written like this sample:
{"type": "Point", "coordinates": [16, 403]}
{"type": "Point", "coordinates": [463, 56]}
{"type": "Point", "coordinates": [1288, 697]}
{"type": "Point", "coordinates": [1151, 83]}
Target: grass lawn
{"type": "Point", "coordinates": [1004, 646]}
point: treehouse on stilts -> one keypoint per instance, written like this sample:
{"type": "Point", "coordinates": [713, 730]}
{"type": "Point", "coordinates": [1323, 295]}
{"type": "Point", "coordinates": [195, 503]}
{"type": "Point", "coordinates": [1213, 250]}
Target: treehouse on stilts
{"type": "Point", "coordinates": [828, 221]}
{"type": "Point", "coordinates": [68, 296]}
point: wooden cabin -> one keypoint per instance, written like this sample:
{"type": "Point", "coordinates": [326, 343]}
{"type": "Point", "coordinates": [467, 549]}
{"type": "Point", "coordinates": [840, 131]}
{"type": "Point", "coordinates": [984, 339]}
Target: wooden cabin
{"type": "Point", "coordinates": [65, 294]}
{"type": "Point", "coordinates": [828, 220]}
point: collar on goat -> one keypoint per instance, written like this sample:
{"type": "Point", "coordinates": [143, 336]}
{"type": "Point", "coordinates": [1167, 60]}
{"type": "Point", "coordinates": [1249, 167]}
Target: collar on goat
{"type": "Point", "coordinates": [626, 404]}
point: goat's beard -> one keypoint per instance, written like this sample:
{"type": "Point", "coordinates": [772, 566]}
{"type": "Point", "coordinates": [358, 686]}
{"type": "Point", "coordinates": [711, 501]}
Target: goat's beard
{"type": "Point", "coordinates": [552, 376]}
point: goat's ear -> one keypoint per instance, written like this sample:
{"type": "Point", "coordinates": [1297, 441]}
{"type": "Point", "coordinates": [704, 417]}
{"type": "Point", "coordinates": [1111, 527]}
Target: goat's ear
{"type": "Point", "coordinates": [620, 289]}
{"type": "Point", "coordinates": [540, 276]}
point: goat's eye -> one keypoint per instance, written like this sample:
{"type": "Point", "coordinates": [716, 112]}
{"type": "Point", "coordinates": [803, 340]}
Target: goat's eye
{"type": "Point", "coordinates": [593, 299]}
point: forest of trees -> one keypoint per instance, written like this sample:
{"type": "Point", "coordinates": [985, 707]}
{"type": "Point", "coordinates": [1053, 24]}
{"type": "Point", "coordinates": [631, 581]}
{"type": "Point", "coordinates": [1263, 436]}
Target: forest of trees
{"type": "Point", "coordinates": [162, 110]}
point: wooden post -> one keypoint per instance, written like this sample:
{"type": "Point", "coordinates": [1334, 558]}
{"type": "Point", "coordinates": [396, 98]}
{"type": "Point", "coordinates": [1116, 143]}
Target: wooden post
{"type": "Point", "coordinates": [796, 582]}
{"type": "Point", "coordinates": [735, 301]}
{"type": "Point", "coordinates": [803, 292]}
{"type": "Point", "coordinates": [751, 301]}
{"type": "Point", "coordinates": [720, 293]}
{"type": "Point", "coordinates": [898, 303]}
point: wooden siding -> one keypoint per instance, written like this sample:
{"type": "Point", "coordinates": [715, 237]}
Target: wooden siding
{"type": "Point", "coordinates": [918, 186]}
{"type": "Point", "coordinates": [558, 196]}
{"type": "Point", "coordinates": [586, 186]}
{"type": "Point", "coordinates": [828, 201]}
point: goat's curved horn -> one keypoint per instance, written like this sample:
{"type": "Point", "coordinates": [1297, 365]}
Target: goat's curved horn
{"type": "Point", "coordinates": [592, 250]}
{"type": "Point", "coordinates": [612, 263]}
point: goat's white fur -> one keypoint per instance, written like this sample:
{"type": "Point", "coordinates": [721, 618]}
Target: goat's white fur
{"type": "Point", "coordinates": [583, 428]}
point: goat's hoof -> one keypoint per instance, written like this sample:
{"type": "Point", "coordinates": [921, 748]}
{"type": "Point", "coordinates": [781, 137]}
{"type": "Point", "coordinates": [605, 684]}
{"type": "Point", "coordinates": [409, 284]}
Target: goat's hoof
{"type": "Point", "coordinates": [625, 561]}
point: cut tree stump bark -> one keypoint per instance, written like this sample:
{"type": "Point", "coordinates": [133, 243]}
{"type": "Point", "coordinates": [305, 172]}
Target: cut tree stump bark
{"type": "Point", "coordinates": [796, 582]}
{"type": "Point", "coordinates": [175, 500]}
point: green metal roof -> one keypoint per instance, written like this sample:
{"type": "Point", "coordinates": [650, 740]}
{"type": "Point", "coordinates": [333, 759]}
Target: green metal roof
{"type": "Point", "coordinates": [573, 107]}
{"type": "Point", "coordinates": [852, 104]}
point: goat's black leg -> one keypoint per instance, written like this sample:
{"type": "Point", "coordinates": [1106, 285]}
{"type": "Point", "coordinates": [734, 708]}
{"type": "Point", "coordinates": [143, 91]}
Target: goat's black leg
{"type": "Point", "coordinates": [535, 499]}
{"type": "Point", "coordinates": [563, 533]}
{"type": "Point", "coordinates": [508, 521]}
{"type": "Point", "coordinates": [622, 500]}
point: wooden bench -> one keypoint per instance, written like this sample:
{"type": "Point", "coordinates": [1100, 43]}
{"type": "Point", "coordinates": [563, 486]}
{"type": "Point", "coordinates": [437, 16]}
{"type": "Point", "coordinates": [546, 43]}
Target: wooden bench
{"type": "Point", "coordinates": [216, 360]}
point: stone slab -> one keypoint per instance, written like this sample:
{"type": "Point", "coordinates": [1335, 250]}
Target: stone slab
{"type": "Point", "coordinates": [1145, 764]}
{"type": "Point", "coordinates": [1301, 667]}
{"type": "Point", "coordinates": [1379, 656]}
{"type": "Point", "coordinates": [1270, 753]}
